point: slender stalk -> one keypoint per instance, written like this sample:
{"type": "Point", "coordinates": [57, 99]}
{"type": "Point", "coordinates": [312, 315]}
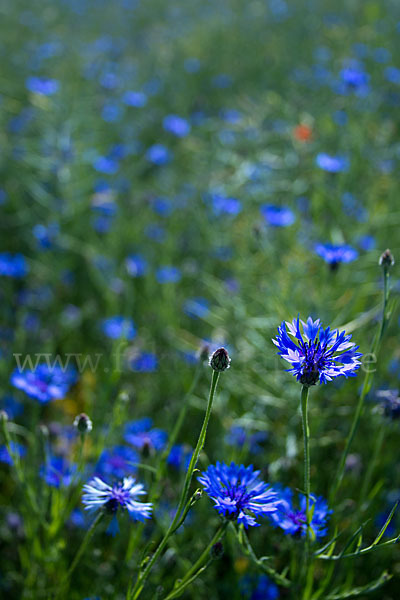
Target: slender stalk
{"type": "Point", "coordinates": [379, 439]}
{"type": "Point", "coordinates": [141, 579]}
{"type": "Point", "coordinates": [364, 391]}
{"type": "Point", "coordinates": [198, 567]}
{"type": "Point", "coordinates": [306, 439]}
{"type": "Point", "coordinates": [79, 554]}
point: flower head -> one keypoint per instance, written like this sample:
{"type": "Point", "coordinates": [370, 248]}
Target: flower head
{"type": "Point", "coordinates": [44, 383]}
{"type": "Point", "coordinates": [121, 495]}
{"type": "Point", "coordinates": [293, 520]}
{"type": "Point", "coordinates": [118, 327]}
{"type": "Point", "coordinates": [278, 216]}
{"type": "Point", "coordinates": [334, 255]}
{"type": "Point", "coordinates": [390, 402]}
{"type": "Point", "coordinates": [57, 472]}
{"type": "Point", "coordinates": [332, 164]}
{"type": "Point", "coordinates": [317, 354]}
{"type": "Point", "coordinates": [141, 435]}
{"type": "Point", "coordinates": [219, 360]}
{"type": "Point", "coordinates": [117, 462]}
{"type": "Point", "coordinates": [13, 265]}
{"type": "Point", "coordinates": [238, 493]}
{"type": "Point", "coordinates": [176, 125]}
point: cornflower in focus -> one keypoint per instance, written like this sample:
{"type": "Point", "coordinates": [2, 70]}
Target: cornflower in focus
{"type": "Point", "coordinates": [317, 354]}
{"type": "Point", "coordinates": [238, 492]}
{"type": "Point", "coordinates": [122, 495]}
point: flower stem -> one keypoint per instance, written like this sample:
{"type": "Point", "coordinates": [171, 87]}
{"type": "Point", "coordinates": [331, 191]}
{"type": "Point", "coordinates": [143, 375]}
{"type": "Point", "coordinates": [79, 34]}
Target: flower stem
{"type": "Point", "coordinates": [143, 574]}
{"type": "Point", "coordinates": [199, 566]}
{"type": "Point", "coordinates": [79, 554]}
{"type": "Point", "coordinates": [306, 439]}
{"type": "Point", "coordinates": [365, 389]}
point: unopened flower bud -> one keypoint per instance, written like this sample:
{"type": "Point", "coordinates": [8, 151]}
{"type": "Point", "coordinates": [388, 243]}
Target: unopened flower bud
{"type": "Point", "coordinates": [83, 423]}
{"type": "Point", "coordinates": [217, 551]}
{"type": "Point", "coordinates": [386, 260]}
{"type": "Point", "coordinates": [219, 361]}
{"type": "Point", "coordinates": [197, 495]}
{"type": "Point", "coordinates": [3, 416]}
{"type": "Point", "coordinates": [204, 352]}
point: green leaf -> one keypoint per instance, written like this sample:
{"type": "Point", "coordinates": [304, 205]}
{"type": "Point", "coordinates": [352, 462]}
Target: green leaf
{"type": "Point", "coordinates": [382, 531]}
{"type": "Point", "coordinates": [359, 591]}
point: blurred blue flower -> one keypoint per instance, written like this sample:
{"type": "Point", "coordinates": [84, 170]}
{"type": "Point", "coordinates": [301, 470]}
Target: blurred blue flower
{"type": "Point", "coordinates": [222, 80]}
{"type": "Point", "coordinates": [176, 125]}
{"type": "Point", "coordinates": [98, 495]}
{"type": "Point", "coordinates": [238, 493]}
{"type": "Point", "coordinates": [192, 65]}
{"type": "Point", "coordinates": [332, 164]}
{"type": "Point", "coordinates": [334, 255]}
{"type": "Point", "coordinates": [57, 472]}
{"type": "Point", "coordinates": [180, 456]}
{"type": "Point", "coordinates": [353, 207]}
{"type": "Point", "coordinates": [319, 354]}
{"type": "Point", "coordinates": [12, 407]}
{"type": "Point", "coordinates": [155, 232]}
{"type": "Point", "coordinates": [141, 435]}
{"type": "Point", "coordinates": [162, 206]}
{"type": "Point", "coordinates": [340, 117]}
{"type": "Point", "coordinates": [136, 265]}
{"type": "Point", "coordinates": [196, 308]}
{"type": "Point", "coordinates": [13, 265]}
{"type": "Point", "coordinates": [230, 115]}
{"type": "Point", "coordinates": [293, 521]}
{"type": "Point", "coordinates": [392, 74]}
{"type": "Point", "coordinates": [117, 462]}
{"type": "Point", "coordinates": [277, 216]}
{"type": "Point", "coordinates": [225, 206]}
{"type": "Point", "coordinates": [168, 274]}
{"type": "Point", "coordinates": [390, 401]}
{"type": "Point", "coordinates": [102, 224]}
{"type": "Point", "coordinates": [43, 86]}
{"type": "Point", "coordinates": [158, 154]}
{"type": "Point", "coordinates": [367, 242]}
{"type": "Point", "coordinates": [17, 449]}
{"type": "Point", "coordinates": [118, 327]}
{"type": "Point", "coordinates": [46, 234]}
{"type": "Point", "coordinates": [106, 165]}
{"type": "Point", "coordinates": [136, 99]}
{"type": "Point", "coordinates": [239, 437]}
{"type": "Point", "coordinates": [355, 79]}
{"type": "Point", "coordinates": [111, 112]}
{"type": "Point", "coordinates": [145, 362]}
{"type": "Point", "coordinates": [258, 587]}
{"type": "Point", "coordinates": [45, 383]}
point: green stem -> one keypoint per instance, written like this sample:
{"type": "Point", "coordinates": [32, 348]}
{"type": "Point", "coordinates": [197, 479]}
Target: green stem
{"type": "Point", "coordinates": [306, 439]}
{"type": "Point", "coordinates": [141, 579]}
{"type": "Point", "coordinates": [364, 391]}
{"type": "Point", "coordinates": [79, 553]}
{"type": "Point", "coordinates": [198, 567]}
{"type": "Point", "coordinates": [371, 465]}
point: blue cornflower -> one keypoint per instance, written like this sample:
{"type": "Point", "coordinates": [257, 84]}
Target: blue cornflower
{"type": "Point", "coordinates": [334, 255]}
{"type": "Point", "coordinates": [258, 587]}
{"type": "Point", "coordinates": [158, 155]}
{"type": "Point", "coordinates": [180, 456]}
{"type": "Point", "coordinates": [44, 383]}
{"type": "Point", "coordinates": [100, 495]}
{"type": "Point", "coordinates": [277, 216]}
{"type": "Point", "coordinates": [141, 435]}
{"type": "Point", "coordinates": [392, 74]}
{"type": "Point", "coordinates": [332, 164]}
{"type": "Point", "coordinates": [136, 265]}
{"type": "Point", "coordinates": [176, 125]}
{"type": "Point", "coordinates": [12, 407]}
{"type": "Point", "coordinates": [46, 234]}
{"type": "Point", "coordinates": [117, 462]}
{"type": "Point", "coordinates": [293, 521]}
{"type": "Point", "coordinates": [13, 265]}
{"type": "Point", "coordinates": [106, 165]}
{"type": "Point", "coordinates": [390, 401]}
{"type": "Point", "coordinates": [238, 493]}
{"type": "Point", "coordinates": [17, 449]}
{"type": "Point", "coordinates": [196, 308]}
{"type": "Point", "coordinates": [136, 99]}
{"type": "Point", "coordinates": [168, 274]}
{"type": "Point", "coordinates": [57, 472]}
{"type": "Point", "coordinates": [319, 354]}
{"type": "Point", "coordinates": [239, 437]}
{"type": "Point", "coordinates": [118, 327]}
{"type": "Point", "coordinates": [222, 205]}
{"type": "Point", "coordinates": [144, 362]}
{"type": "Point", "coordinates": [43, 86]}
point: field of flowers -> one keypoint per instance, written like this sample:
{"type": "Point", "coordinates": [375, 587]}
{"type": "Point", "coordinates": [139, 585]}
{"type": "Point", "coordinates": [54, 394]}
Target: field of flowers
{"type": "Point", "coordinates": [199, 334]}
